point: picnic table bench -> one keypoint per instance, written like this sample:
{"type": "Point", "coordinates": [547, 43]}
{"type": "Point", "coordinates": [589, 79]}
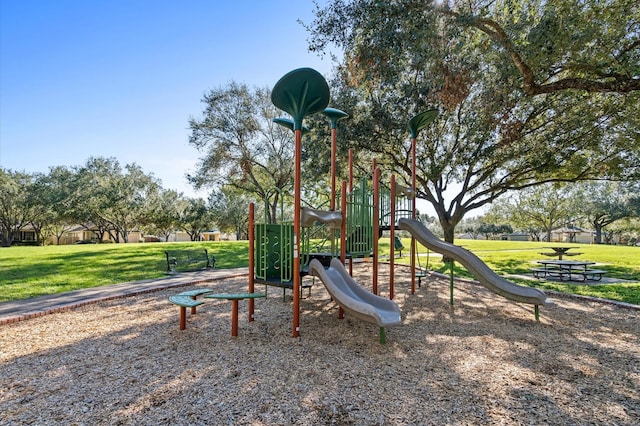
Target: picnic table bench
{"type": "Point", "coordinates": [567, 268]}
{"type": "Point", "coordinates": [592, 274]}
{"type": "Point", "coordinates": [544, 272]}
{"type": "Point", "coordinates": [189, 260]}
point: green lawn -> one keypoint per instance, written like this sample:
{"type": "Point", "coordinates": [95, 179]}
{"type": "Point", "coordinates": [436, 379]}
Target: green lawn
{"type": "Point", "coordinates": [33, 271]}
{"type": "Point", "coordinates": [516, 257]}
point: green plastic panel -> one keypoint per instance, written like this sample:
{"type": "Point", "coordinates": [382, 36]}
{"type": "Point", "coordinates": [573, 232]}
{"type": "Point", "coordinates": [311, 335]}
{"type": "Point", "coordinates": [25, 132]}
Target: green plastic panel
{"type": "Point", "coordinates": [301, 92]}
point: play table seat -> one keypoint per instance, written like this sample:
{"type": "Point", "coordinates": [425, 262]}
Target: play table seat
{"type": "Point", "coordinates": [234, 297]}
{"type": "Point", "coordinates": [193, 294]}
{"type": "Point", "coordinates": [184, 302]}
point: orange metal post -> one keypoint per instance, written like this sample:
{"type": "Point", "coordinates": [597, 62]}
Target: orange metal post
{"type": "Point", "coordinates": [183, 317]}
{"type": "Point", "coordinates": [376, 225]}
{"type": "Point", "coordinates": [251, 258]}
{"type": "Point", "coordinates": [343, 234]}
{"type": "Point", "coordinates": [413, 214]}
{"type": "Point", "coordinates": [333, 185]}
{"type": "Point", "coordinates": [193, 308]}
{"type": "Point", "coordinates": [392, 236]}
{"type": "Point", "coordinates": [333, 168]}
{"type": "Point", "coordinates": [343, 225]}
{"type": "Point", "coordinates": [296, 234]}
{"type": "Point", "coordinates": [234, 317]}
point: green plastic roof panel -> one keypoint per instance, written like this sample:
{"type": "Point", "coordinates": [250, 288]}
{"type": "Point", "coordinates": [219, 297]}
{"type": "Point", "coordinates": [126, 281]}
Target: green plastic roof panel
{"type": "Point", "coordinates": [420, 121]}
{"type": "Point", "coordinates": [301, 92]}
{"type": "Point", "coordinates": [335, 115]}
{"type": "Point", "coordinates": [285, 122]}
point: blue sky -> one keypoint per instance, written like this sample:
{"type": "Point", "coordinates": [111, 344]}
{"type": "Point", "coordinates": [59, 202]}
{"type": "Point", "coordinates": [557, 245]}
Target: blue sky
{"type": "Point", "coordinates": [121, 78]}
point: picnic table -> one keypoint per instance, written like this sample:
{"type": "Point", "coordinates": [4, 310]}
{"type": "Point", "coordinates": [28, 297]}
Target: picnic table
{"type": "Point", "coordinates": [568, 268]}
{"type": "Point", "coordinates": [559, 252]}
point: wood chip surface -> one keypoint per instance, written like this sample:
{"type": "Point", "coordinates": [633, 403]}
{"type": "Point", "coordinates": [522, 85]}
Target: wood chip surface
{"type": "Point", "coordinates": [483, 361]}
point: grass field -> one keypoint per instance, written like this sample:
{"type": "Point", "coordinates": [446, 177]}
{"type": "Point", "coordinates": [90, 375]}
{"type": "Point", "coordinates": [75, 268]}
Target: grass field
{"type": "Point", "coordinates": [33, 271]}
{"type": "Point", "coordinates": [516, 257]}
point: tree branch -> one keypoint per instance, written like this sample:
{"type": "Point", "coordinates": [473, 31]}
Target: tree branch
{"type": "Point", "coordinates": [611, 83]}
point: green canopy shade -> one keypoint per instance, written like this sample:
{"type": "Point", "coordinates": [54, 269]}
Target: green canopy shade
{"type": "Point", "coordinates": [301, 92]}
{"type": "Point", "coordinates": [334, 115]}
{"type": "Point", "coordinates": [285, 122]}
{"type": "Point", "coordinates": [420, 121]}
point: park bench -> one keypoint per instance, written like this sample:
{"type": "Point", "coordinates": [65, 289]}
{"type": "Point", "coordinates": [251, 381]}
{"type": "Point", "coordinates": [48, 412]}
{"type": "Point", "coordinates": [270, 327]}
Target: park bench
{"type": "Point", "coordinates": [189, 260]}
{"type": "Point", "coordinates": [188, 299]}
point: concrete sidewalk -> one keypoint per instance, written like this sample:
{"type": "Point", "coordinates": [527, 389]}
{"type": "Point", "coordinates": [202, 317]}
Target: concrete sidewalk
{"type": "Point", "coordinates": [21, 310]}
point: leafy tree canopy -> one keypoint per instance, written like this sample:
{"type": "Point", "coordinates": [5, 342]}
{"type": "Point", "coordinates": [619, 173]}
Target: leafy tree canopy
{"type": "Point", "coordinates": [242, 147]}
{"type": "Point", "coordinates": [529, 92]}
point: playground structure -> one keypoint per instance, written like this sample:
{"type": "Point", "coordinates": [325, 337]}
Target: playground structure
{"type": "Point", "coordinates": [281, 254]}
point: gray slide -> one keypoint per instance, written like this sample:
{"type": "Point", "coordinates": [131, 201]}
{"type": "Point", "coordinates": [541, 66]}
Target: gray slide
{"type": "Point", "coordinates": [475, 266]}
{"type": "Point", "coordinates": [353, 298]}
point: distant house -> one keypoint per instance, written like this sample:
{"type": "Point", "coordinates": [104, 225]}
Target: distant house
{"type": "Point", "coordinates": [25, 236]}
{"type": "Point", "coordinates": [515, 236]}
{"type": "Point", "coordinates": [212, 235]}
{"type": "Point", "coordinates": [73, 235]}
{"type": "Point", "coordinates": [572, 234]}
{"type": "Point", "coordinates": [79, 233]}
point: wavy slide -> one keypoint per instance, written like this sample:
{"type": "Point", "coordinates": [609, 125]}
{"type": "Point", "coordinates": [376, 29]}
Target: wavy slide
{"type": "Point", "coordinates": [475, 266]}
{"type": "Point", "coordinates": [353, 298]}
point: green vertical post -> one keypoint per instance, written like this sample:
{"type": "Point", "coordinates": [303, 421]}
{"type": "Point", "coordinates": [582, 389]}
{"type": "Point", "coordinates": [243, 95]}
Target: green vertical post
{"type": "Point", "coordinates": [537, 312]}
{"type": "Point", "coordinates": [383, 336]}
{"type": "Point", "coordinates": [451, 284]}
{"type": "Point", "coordinates": [427, 267]}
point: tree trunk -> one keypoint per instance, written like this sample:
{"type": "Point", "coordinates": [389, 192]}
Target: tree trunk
{"type": "Point", "coordinates": [449, 232]}
{"type": "Point", "coordinates": [7, 238]}
{"type": "Point", "coordinates": [598, 228]}
{"type": "Point", "coordinates": [274, 211]}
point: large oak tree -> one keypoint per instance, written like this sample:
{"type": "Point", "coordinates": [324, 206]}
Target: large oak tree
{"type": "Point", "coordinates": [529, 92]}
